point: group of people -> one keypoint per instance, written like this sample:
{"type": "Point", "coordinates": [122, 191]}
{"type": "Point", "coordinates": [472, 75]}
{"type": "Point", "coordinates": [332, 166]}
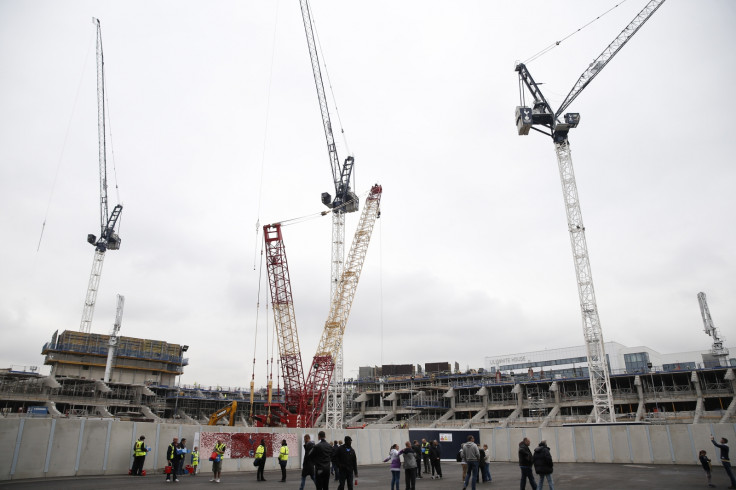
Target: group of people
{"type": "Point", "coordinates": [176, 453]}
{"type": "Point", "coordinates": [175, 456]}
{"type": "Point", "coordinates": [540, 461]}
{"type": "Point", "coordinates": [414, 455]}
{"type": "Point", "coordinates": [725, 461]}
{"type": "Point", "coordinates": [322, 460]}
{"type": "Point", "coordinates": [260, 459]}
{"type": "Point", "coordinates": [475, 460]}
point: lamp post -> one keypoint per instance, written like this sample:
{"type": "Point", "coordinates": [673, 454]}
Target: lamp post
{"type": "Point", "coordinates": [182, 350]}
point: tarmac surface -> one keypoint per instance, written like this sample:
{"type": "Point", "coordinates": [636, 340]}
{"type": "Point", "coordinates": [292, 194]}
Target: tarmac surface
{"type": "Point", "coordinates": [566, 476]}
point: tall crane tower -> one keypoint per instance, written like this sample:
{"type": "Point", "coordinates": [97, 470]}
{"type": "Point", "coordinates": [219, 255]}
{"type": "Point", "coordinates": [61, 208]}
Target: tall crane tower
{"type": "Point", "coordinates": [541, 114]}
{"type": "Point", "coordinates": [345, 201]}
{"type": "Point", "coordinates": [305, 398]}
{"type": "Point", "coordinates": [108, 239]}
{"type": "Point", "coordinates": [718, 352]}
{"type": "Point", "coordinates": [114, 337]}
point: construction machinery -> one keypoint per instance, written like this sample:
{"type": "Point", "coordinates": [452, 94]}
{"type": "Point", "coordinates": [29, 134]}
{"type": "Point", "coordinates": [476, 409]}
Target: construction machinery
{"type": "Point", "coordinates": [108, 239]}
{"type": "Point", "coordinates": [304, 397]}
{"type": "Point", "coordinates": [541, 114]}
{"type": "Point", "coordinates": [719, 353]}
{"type": "Point", "coordinates": [228, 411]}
{"type": "Point", "coordinates": [114, 337]}
{"type": "Point", "coordinates": [344, 201]}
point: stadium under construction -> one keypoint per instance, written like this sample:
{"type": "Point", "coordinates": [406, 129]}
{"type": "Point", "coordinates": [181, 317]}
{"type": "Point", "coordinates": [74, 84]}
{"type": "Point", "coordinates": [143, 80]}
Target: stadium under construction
{"type": "Point", "coordinates": [535, 389]}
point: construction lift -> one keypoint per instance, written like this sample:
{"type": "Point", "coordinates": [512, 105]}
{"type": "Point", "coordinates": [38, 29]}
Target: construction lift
{"type": "Point", "coordinates": [541, 114]}
{"type": "Point", "coordinates": [108, 239]}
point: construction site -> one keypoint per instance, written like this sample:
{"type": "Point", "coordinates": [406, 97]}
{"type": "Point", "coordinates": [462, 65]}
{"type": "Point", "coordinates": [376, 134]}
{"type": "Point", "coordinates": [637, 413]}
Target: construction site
{"type": "Point", "coordinates": [598, 402]}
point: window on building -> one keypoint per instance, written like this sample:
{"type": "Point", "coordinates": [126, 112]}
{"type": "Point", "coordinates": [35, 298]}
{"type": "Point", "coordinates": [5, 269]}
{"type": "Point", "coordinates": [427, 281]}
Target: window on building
{"type": "Point", "coordinates": [636, 362]}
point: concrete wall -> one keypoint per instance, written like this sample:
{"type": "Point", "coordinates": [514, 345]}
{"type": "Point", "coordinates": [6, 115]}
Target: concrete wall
{"type": "Point", "coordinates": [45, 447]}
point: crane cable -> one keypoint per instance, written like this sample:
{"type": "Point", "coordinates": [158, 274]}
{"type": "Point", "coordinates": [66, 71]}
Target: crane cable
{"type": "Point", "coordinates": [63, 146]}
{"type": "Point", "coordinates": [329, 82]}
{"type": "Point", "coordinates": [258, 216]}
{"type": "Point", "coordinates": [258, 310]}
{"type": "Point", "coordinates": [557, 43]}
{"type": "Point", "coordinates": [265, 134]}
{"type": "Point", "coordinates": [318, 214]}
{"type": "Point", "coordinates": [108, 126]}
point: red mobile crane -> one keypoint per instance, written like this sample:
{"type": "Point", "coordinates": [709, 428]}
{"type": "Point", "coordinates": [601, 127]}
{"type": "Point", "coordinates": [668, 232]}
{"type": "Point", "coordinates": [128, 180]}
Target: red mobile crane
{"type": "Point", "coordinates": [304, 398]}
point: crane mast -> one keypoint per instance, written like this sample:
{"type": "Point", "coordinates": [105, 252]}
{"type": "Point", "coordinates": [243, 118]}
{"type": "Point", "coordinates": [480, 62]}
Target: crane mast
{"type": "Point", "coordinates": [108, 238]}
{"type": "Point", "coordinates": [330, 345]}
{"type": "Point", "coordinates": [345, 201]}
{"type": "Point", "coordinates": [114, 337]}
{"type": "Point", "coordinates": [541, 114]}
{"type": "Point", "coordinates": [717, 350]}
{"type": "Point", "coordinates": [304, 399]}
{"type": "Point", "coordinates": [282, 305]}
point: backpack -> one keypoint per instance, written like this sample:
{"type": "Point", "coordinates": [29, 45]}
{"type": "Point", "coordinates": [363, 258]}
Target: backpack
{"type": "Point", "coordinates": [459, 457]}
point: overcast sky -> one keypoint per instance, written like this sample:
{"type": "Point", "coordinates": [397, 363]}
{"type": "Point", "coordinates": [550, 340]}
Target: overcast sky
{"type": "Point", "coordinates": [215, 127]}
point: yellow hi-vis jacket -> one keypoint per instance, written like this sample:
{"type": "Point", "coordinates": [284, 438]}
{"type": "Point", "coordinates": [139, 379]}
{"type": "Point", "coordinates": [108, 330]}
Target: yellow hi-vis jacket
{"type": "Point", "coordinates": [425, 448]}
{"type": "Point", "coordinates": [284, 453]}
{"type": "Point", "coordinates": [220, 448]}
{"type": "Point", "coordinates": [140, 448]}
{"type": "Point", "coordinates": [259, 451]}
{"type": "Point", "coordinates": [195, 458]}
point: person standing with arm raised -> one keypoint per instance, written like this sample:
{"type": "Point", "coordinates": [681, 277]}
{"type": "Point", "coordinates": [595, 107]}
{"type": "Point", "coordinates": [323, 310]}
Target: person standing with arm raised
{"type": "Point", "coordinates": [723, 446]}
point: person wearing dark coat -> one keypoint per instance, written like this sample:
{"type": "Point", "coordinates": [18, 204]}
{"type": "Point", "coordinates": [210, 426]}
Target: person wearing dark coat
{"type": "Point", "coordinates": [320, 457]}
{"type": "Point", "coordinates": [139, 456]}
{"type": "Point", "coordinates": [723, 446]}
{"type": "Point", "coordinates": [261, 460]}
{"type": "Point", "coordinates": [543, 465]}
{"type": "Point", "coordinates": [434, 458]}
{"type": "Point", "coordinates": [346, 463]}
{"type": "Point", "coordinates": [171, 458]}
{"type": "Point", "coordinates": [307, 466]}
{"type": "Point", "coordinates": [418, 455]}
{"type": "Point", "coordinates": [526, 461]}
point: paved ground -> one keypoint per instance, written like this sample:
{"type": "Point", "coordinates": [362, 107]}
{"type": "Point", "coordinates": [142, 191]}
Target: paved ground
{"type": "Point", "coordinates": [567, 476]}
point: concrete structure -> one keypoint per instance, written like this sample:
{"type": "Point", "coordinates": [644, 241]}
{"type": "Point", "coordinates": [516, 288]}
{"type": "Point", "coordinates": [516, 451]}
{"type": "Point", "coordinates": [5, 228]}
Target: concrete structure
{"type": "Point", "coordinates": [137, 361]}
{"type": "Point", "coordinates": [536, 399]}
{"type": "Point", "coordinates": [54, 447]}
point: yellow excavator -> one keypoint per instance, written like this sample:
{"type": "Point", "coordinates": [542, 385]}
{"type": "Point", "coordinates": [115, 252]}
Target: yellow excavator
{"type": "Point", "coordinates": [228, 411]}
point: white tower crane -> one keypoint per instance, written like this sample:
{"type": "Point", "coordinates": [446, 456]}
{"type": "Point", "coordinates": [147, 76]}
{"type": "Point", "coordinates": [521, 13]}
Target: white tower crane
{"type": "Point", "coordinates": [345, 201]}
{"type": "Point", "coordinates": [717, 350]}
{"type": "Point", "coordinates": [108, 240]}
{"type": "Point", "coordinates": [542, 114]}
{"type": "Point", "coordinates": [114, 337]}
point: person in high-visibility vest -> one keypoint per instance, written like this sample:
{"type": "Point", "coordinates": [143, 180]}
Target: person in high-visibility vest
{"type": "Point", "coordinates": [261, 460]}
{"type": "Point", "coordinates": [171, 459]}
{"type": "Point", "coordinates": [139, 456]}
{"type": "Point", "coordinates": [217, 463]}
{"type": "Point", "coordinates": [283, 458]}
{"type": "Point", "coordinates": [425, 455]}
{"type": "Point", "coordinates": [195, 460]}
